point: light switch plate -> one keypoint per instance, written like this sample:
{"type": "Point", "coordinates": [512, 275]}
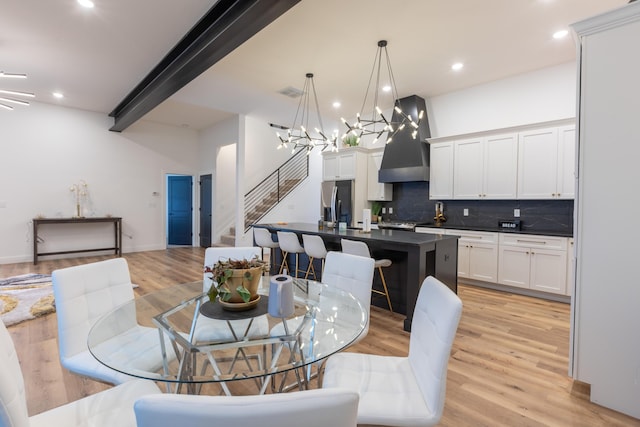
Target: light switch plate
{"type": "Point", "coordinates": [390, 210]}
{"type": "Point", "coordinates": [465, 212]}
{"type": "Point", "coordinates": [516, 213]}
{"type": "Point", "coordinates": [384, 210]}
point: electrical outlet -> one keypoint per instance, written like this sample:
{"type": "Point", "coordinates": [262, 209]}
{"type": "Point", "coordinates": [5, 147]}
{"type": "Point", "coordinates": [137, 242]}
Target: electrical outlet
{"type": "Point", "coordinates": [516, 213]}
{"type": "Point", "coordinates": [390, 210]}
{"type": "Point", "coordinates": [384, 210]}
{"type": "Point", "coordinates": [465, 212]}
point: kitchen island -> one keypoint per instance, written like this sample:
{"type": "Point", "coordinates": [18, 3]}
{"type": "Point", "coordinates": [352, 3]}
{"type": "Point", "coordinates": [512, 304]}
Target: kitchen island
{"type": "Point", "coordinates": [414, 256]}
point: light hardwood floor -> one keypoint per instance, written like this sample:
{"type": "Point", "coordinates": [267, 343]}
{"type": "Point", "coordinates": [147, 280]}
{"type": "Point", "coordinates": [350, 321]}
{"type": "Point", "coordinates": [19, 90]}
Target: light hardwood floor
{"type": "Point", "coordinates": [508, 364]}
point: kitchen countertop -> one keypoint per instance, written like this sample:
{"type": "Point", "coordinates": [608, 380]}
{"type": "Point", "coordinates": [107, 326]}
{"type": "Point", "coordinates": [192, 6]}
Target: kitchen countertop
{"type": "Point", "coordinates": [555, 233]}
{"type": "Point", "coordinates": [384, 236]}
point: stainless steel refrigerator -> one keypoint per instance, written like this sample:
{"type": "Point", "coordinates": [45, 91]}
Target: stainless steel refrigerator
{"type": "Point", "coordinates": [338, 201]}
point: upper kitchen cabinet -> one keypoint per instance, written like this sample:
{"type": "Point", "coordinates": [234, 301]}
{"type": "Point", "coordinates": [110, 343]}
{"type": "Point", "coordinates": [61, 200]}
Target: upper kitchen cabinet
{"type": "Point", "coordinates": [486, 167]}
{"type": "Point", "coordinates": [441, 171]}
{"type": "Point", "coordinates": [377, 191]}
{"type": "Point", "coordinates": [546, 160]}
{"type": "Point", "coordinates": [349, 163]}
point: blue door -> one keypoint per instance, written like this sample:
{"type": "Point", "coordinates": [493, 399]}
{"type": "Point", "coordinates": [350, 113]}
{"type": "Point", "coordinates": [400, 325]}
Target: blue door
{"type": "Point", "coordinates": [180, 208]}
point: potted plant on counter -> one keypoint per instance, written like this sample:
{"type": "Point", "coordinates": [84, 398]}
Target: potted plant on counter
{"type": "Point", "coordinates": [235, 282]}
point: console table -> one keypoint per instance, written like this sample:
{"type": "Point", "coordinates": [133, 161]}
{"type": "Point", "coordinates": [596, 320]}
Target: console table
{"type": "Point", "coordinates": [117, 235]}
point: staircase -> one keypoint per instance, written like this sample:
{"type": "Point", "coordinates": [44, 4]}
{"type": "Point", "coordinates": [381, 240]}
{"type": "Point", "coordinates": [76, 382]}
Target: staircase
{"type": "Point", "coordinates": [271, 191]}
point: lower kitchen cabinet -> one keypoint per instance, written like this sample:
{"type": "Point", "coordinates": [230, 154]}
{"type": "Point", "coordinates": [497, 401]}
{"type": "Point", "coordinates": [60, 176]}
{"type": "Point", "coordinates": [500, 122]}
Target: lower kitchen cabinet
{"type": "Point", "coordinates": [533, 262]}
{"type": "Point", "coordinates": [477, 255]}
{"type": "Point", "coordinates": [528, 261]}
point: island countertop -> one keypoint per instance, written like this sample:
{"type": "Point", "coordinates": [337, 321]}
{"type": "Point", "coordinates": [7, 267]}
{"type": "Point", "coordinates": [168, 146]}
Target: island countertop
{"type": "Point", "coordinates": [416, 255]}
{"type": "Point", "coordinates": [387, 235]}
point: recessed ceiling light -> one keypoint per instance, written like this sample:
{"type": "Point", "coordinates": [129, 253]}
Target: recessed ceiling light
{"type": "Point", "coordinates": [86, 3]}
{"type": "Point", "coordinates": [58, 95]}
{"type": "Point", "coordinates": [457, 66]}
{"type": "Point", "coordinates": [336, 104]}
{"type": "Point", "coordinates": [560, 34]}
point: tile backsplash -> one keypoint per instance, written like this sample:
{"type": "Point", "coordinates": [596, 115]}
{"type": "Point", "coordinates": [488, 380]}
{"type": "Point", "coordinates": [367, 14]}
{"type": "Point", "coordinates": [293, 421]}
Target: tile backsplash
{"type": "Point", "coordinates": [411, 203]}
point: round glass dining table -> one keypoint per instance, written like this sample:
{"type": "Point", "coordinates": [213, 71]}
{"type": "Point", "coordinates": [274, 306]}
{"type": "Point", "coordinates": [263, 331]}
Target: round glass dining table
{"type": "Point", "coordinates": [196, 343]}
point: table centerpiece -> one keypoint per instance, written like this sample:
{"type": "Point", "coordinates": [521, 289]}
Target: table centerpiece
{"type": "Point", "coordinates": [235, 282]}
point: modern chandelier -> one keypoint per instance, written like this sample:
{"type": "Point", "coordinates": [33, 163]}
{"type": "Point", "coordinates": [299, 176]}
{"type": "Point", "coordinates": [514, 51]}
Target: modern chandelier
{"type": "Point", "coordinates": [374, 122]}
{"type": "Point", "coordinates": [299, 134]}
{"type": "Point", "coordinates": [7, 96]}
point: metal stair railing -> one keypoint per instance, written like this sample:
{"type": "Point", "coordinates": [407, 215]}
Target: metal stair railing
{"type": "Point", "coordinates": [271, 190]}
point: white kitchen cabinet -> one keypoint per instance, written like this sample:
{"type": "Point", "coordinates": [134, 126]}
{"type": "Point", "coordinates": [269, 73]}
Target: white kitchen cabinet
{"type": "Point", "coordinates": [378, 191]}
{"type": "Point", "coordinates": [441, 171]}
{"type": "Point", "coordinates": [546, 159]}
{"type": "Point", "coordinates": [486, 167]}
{"type": "Point", "coordinates": [477, 254]}
{"type": "Point", "coordinates": [339, 166]}
{"type": "Point", "coordinates": [566, 183]}
{"type": "Point", "coordinates": [534, 262]}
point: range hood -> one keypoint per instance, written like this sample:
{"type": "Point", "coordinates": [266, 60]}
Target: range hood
{"type": "Point", "coordinates": [406, 159]}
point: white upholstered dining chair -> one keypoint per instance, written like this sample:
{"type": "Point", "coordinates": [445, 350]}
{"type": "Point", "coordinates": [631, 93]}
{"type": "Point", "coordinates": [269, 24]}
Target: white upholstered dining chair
{"type": "Point", "coordinates": [346, 272]}
{"type": "Point", "coordinates": [112, 407]}
{"type": "Point", "coordinates": [83, 294]}
{"type": "Point", "coordinates": [312, 408]}
{"type": "Point", "coordinates": [405, 391]}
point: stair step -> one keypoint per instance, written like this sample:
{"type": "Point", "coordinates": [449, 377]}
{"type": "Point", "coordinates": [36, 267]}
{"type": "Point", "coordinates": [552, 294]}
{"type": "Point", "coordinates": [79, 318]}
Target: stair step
{"type": "Point", "coordinates": [228, 239]}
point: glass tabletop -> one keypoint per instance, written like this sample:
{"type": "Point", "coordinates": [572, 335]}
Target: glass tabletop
{"type": "Point", "coordinates": [191, 348]}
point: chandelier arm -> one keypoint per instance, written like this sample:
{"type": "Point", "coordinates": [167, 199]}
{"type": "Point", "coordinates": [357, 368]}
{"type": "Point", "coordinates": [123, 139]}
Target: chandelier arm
{"type": "Point", "coordinates": [8, 107]}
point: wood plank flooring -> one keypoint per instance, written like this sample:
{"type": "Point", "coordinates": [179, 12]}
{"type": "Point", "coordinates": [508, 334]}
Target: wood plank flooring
{"type": "Point", "coordinates": [508, 364]}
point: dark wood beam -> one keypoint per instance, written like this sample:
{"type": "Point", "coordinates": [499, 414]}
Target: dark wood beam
{"type": "Point", "coordinates": [227, 25]}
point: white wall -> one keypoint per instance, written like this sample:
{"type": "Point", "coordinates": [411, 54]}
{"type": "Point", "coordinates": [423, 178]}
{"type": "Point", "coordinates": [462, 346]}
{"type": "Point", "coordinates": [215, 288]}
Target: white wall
{"type": "Point", "coordinates": [45, 149]}
{"type": "Point", "coordinates": [217, 154]}
{"type": "Point", "coordinates": [539, 96]}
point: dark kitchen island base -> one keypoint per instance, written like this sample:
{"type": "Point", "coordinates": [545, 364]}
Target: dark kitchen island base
{"type": "Point", "coordinates": [414, 255]}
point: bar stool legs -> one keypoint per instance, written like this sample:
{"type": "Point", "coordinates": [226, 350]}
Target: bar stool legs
{"type": "Point", "coordinates": [379, 264]}
{"type": "Point", "coordinates": [289, 244]}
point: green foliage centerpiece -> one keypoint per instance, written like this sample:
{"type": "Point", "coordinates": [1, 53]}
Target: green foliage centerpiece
{"type": "Point", "coordinates": [236, 281]}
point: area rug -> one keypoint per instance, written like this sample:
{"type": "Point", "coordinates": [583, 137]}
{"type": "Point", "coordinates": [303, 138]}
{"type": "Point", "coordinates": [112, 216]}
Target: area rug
{"type": "Point", "coordinates": [25, 297]}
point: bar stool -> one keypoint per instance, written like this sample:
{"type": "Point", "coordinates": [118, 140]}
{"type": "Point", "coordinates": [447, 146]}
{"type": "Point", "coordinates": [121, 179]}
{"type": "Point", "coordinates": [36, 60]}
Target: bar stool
{"type": "Point", "coordinates": [289, 243]}
{"type": "Point", "coordinates": [262, 237]}
{"type": "Point", "coordinates": [314, 247]}
{"type": "Point", "coordinates": [355, 247]}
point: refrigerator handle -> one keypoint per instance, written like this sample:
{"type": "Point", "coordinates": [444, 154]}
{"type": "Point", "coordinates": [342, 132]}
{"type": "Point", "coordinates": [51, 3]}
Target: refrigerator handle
{"type": "Point", "coordinates": [334, 194]}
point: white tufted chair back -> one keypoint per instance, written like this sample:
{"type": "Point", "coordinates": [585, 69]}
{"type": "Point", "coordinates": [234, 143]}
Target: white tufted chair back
{"type": "Point", "coordinates": [13, 404]}
{"type": "Point", "coordinates": [213, 255]}
{"type": "Point", "coordinates": [84, 293]}
{"type": "Point", "coordinates": [112, 407]}
{"type": "Point", "coordinates": [434, 325]}
{"type": "Point", "coordinates": [353, 274]}
{"type": "Point", "coordinates": [311, 408]}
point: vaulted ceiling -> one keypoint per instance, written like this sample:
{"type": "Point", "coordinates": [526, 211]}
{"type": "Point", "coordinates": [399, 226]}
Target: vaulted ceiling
{"type": "Point", "coordinates": [97, 56]}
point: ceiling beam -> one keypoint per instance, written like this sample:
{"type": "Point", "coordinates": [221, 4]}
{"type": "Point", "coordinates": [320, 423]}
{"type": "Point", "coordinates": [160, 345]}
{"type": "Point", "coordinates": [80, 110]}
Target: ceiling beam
{"type": "Point", "coordinates": [227, 25]}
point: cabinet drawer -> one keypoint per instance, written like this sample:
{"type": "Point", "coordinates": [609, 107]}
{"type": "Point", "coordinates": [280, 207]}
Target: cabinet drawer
{"type": "Point", "coordinates": [534, 241]}
{"type": "Point", "coordinates": [473, 236]}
